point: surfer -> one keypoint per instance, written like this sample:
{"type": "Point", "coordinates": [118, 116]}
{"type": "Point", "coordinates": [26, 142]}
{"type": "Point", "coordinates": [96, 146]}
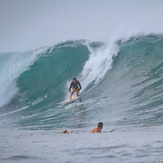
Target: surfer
{"type": "Point", "coordinates": [76, 87]}
{"type": "Point", "coordinates": [66, 132]}
{"type": "Point", "coordinates": [98, 129]}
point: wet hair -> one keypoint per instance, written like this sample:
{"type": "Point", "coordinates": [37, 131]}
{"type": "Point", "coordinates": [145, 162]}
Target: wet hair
{"type": "Point", "coordinates": [74, 78]}
{"type": "Point", "coordinates": [100, 124]}
{"type": "Point", "coordinates": [64, 131]}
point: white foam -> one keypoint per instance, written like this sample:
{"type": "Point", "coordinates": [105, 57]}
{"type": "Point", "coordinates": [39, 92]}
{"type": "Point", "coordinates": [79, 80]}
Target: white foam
{"type": "Point", "coordinates": [11, 66]}
{"type": "Point", "coordinates": [99, 63]}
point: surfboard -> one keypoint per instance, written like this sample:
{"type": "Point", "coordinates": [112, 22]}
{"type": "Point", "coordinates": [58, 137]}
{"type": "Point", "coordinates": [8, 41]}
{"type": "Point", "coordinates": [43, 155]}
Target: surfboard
{"type": "Point", "coordinates": [70, 101]}
{"type": "Point", "coordinates": [113, 130]}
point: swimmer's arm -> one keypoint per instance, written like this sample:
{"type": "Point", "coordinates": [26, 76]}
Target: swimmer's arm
{"type": "Point", "coordinates": [93, 131]}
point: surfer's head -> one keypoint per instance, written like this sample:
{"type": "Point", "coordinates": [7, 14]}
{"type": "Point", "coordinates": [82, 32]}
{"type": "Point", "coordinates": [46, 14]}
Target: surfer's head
{"type": "Point", "coordinates": [100, 125]}
{"type": "Point", "coordinates": [64, 131]}
{"type": "Point", "coordinates": [74, 80]}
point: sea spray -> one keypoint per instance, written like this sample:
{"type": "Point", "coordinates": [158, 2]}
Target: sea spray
{"type": "Point", "coordinates": [99, 63]}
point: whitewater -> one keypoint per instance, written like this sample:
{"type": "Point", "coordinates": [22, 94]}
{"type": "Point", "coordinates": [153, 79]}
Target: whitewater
{"type": "Point", "coordinates": [122, 86]}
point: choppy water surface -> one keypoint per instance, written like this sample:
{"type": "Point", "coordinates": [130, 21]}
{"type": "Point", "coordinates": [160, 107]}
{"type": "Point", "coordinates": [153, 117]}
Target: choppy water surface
{"type": "Point", "coordinates": [49, 146]}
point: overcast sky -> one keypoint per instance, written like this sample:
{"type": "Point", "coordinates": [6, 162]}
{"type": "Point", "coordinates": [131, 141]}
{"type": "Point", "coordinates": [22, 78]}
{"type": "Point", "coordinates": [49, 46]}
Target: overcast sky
{"type": "Point", "coordinates": [29, 24]}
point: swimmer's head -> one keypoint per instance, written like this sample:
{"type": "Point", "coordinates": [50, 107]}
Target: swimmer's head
{"type": "Point", "coordinates": [100, 125]}
{"type": "Point", "coordinates": [64, 131]}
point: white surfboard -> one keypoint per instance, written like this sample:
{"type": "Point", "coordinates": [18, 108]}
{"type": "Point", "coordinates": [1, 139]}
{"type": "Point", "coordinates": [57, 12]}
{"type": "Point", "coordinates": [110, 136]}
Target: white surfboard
{"type": "Point", "coordinates": [70, 101]}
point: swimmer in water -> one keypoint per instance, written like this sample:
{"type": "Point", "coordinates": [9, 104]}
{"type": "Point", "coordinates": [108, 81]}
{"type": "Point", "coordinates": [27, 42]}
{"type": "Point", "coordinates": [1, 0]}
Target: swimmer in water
{"type": "Point", "coordinates": [66, 132]}
{"type": "Point", "coordinates": [98, 129]}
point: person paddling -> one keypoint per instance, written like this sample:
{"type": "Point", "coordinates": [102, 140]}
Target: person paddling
{"type": "Point", "coordinates": [98, 129]}
{"type": "Point", "coordinates": [66, 132]}
{"type": "Point", "coordinates": [75, 86]}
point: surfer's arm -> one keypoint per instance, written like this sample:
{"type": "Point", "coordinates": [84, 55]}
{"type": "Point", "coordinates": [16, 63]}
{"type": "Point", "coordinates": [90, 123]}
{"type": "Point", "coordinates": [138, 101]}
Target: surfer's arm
{"type": "Point", "coordinates": [70, 87]}
{"type": "Point", "coordinates": [79, 86]}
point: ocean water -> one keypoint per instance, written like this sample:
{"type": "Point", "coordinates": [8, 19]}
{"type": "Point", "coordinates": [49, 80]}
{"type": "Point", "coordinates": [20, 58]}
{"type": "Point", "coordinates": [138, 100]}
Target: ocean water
{"type": "Point", "coordinates": [122, 86]}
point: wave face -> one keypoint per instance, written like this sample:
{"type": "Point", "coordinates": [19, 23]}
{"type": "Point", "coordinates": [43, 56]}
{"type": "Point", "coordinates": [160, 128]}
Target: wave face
{"type": "Point", "coordinates": [122, 84]}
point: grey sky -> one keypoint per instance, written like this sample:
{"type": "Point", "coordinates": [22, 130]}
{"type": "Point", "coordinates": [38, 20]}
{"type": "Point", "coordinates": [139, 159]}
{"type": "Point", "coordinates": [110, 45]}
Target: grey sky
{"type": "Point", "coordinates": [28, 24]}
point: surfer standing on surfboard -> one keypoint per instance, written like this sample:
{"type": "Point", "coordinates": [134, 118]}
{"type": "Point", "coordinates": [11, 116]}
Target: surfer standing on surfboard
{"type": "Point", "coordinates": [76, 87]}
